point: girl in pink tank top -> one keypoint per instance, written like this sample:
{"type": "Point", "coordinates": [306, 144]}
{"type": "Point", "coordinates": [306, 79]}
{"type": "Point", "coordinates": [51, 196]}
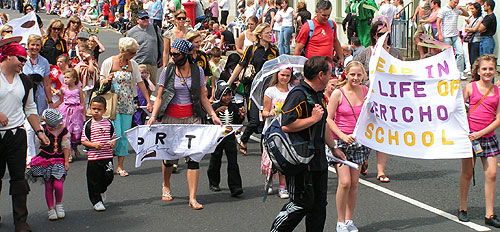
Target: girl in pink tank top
{"type": "Point", "coordinates": [484, 119]}
{"type": "Point", "coordinates": [343, 112]}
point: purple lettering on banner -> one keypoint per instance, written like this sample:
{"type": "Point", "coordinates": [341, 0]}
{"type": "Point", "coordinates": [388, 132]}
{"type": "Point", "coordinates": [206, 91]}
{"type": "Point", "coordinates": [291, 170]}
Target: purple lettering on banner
{"type": "Point", "coordinates": [402, 87]}
{"type": "Point", "coordinates": [423, 113]}
{"type": "Point", "coordinates": [446, 69]}
{"type": "Point", "coordinates": [380, 89]}
{"type": "Point", "coordinates": [376, 109]}
{"type": "Point", "coordinates": [392, 83]}
{"type": "Point", "coordinates": [442, 116]}
{"type": "Point", "coordinates": [429, 71]}
{"type": "Point", "coordinates": [417, 89]}
{"type": "Point", "coordinates": [383, 110]}
{"type": "Point", "coordinates": [410, 119]}
{"type": "Point", "coordinates": [393, 113]}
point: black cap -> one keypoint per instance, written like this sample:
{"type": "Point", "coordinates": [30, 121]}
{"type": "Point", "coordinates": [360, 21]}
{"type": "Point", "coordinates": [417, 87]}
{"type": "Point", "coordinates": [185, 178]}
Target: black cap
{"type": "Point", "coordinates": [142, 14]}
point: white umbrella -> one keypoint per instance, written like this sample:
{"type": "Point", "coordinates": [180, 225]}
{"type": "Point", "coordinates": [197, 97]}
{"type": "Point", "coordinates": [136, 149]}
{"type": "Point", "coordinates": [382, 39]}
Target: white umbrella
{"type": "Point", "coordinates": [262, 78]}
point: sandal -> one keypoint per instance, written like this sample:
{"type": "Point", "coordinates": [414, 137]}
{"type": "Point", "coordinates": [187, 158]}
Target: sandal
{"type": "Point", "coordinates": [77, 154]}
{"type": "Point", "coordinates": [364, 168]}
{"type": "Point", "coordinates": [243, 148]}
{"type": "Point", "coordinates": [165, 195]}
{"type": "Point", "coordinates": [122, 173]}
{"type": "Point", "coordinates": [195, 205]}
{"type": "Point", "coordinates": [383, 179]}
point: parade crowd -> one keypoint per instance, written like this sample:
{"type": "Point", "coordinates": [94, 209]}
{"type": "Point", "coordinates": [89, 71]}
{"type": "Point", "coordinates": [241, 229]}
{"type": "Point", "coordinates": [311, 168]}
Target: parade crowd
{"type": "Point", "coordinates": [57, 98]}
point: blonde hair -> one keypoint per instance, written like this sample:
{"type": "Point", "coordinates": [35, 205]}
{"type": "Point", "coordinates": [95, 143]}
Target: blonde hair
{"type": "Point", "coordinates": [477, 64]}
{"type": "Point", "coordinates": [6, 16]}
{"type": "Point", "coordinates": [191, 35]}
{"type": "Point", "coordinates": [126, 44]}
{"type": "Point", "coordinates": [4, 28]}
{"type": "Point", "coordinates": [274, 81]}
{"type": "Point", "coordinates": [351, 64]}
{"type": "Point", "coordinates": [143, 66]}
{"type": "Point", "coordinates": [258, 30]}
{"type": "Point", "coordinates": [56, 23]}
{"type": "Point", "coordinates": [33, 38]}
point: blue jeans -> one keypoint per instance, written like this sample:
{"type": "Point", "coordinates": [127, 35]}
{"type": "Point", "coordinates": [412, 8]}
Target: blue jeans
{"type": "Point", "coordinates": [122, 123]}
{"type": "Point", "coordinates": [456, 42]}
{"type": "Point", "coordinates": [284, 40]}
{"type": "Point", "coordinates": [487, 45]}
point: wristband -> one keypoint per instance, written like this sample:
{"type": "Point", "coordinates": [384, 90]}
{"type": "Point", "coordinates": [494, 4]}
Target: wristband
{"type": "Point", "coordinates": [38, 131]}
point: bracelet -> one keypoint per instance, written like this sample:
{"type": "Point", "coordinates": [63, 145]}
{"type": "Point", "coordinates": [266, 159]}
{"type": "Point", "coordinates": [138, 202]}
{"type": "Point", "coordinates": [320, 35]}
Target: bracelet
{"type": "Point", "coordinates": [213, 114]}
{"type": "Point", "coordinates": [38, 131]}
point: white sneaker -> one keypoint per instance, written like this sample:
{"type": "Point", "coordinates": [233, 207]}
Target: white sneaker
{"type": "Point", "coordinates": [52, 215]}
{"type": "Point", "coordinates": [350, 226]}
{"type": "Point", "coordinates": [283, 194]}
{"type": "Point", "coordinates": [341, 227]}
{"type": "Point", "coordinates": [99, 206]}
{"type": "Point", "coordinates": [60, 211]}
{"type": "Point", "coordinates": [103, 197]}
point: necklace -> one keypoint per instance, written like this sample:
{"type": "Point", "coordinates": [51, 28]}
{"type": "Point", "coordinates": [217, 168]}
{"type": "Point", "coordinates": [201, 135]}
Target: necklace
{"type": "Point", "coordinates": [183, 79]}
{"type": "Point", "coordinates": [123, 67]}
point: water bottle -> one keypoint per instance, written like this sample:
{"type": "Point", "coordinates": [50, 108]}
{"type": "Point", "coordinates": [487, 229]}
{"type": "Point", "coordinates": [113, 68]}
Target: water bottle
{"type": "Point", "coordinates": [476, 146]}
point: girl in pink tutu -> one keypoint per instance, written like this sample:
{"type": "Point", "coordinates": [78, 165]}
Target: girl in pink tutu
{"type": "Point", "coordinates": [52, 162]}
{"type": "Point", "coordinates": [71, 105]}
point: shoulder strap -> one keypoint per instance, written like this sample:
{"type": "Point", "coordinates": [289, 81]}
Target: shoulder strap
{"type": "Point", "coordinates": [479, 102]}
{"type": "Point", "coordinates": [332, 25]}
{"type": "Point", "coordinates": [347, 99]}
{"type": "Point", "coordinates": [27, 87]}
{"type": "Point", "coordinates": [111, 128]}
{"type": "Point", "coordinates": [86, 127]}
{"type": "Point", "coordinates": [311, 102]}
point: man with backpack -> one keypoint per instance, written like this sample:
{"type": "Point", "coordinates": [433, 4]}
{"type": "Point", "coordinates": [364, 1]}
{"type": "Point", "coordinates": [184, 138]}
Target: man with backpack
{"type": "Point", "coordinates": [301, 119]}
{"type": "Point", "coordinates": [318, 37]}
{"type": "Point", "coordinates": [16, 103]}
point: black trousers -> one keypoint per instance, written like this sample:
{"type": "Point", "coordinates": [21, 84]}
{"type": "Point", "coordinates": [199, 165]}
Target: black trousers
{"type": "Point", "coordinates": [224, 15]}
{"type": "Point", "coordinates": [99, 177]}
{"type": "Point", "coordinates": [228, 145]}
{"type": "Point", "coordinates": [307, 198]}
{"type": "Point", "coordinates": [253, 123]}
{"type": "Point", "coordinates": [13, 156]}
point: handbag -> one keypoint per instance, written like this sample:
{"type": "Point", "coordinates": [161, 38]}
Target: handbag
{"type": "Point", "coordinates": [111, 101]}
{"type": "Point", "coordinates": [246, 76]}
{"type": "Point", "coordinates": [470, 36]}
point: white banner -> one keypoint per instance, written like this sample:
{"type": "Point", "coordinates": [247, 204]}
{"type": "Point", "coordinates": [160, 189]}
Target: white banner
{"type": "Point", "coordinates": [25, 26]}
{"type": "Point", "coordinates": [175, 141]}
{"type": "Point", "coordinates": [414, 109]}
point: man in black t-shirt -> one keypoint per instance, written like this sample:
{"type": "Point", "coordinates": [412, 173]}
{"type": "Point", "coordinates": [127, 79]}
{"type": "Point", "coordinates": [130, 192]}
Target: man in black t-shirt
{"type": "Point", "coordinates": [488, 28]}
{"type": "Point", "coordinates": [308, 189]}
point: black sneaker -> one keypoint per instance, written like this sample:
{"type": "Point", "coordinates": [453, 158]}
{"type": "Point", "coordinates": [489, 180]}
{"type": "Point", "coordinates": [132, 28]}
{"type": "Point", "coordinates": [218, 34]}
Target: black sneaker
{"type": "Point", "coordinates": [492, 221]}
{"type": "Point", "coordinates": [462, 216]}
{"type": "Point", "coordinates": [214, 188]}
{"type": "Point", "coordinates": [237, 192]}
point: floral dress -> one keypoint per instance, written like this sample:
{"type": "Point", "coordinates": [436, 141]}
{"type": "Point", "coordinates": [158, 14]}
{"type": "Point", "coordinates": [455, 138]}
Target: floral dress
{"type": "Point", "coordinates": [123, 88]}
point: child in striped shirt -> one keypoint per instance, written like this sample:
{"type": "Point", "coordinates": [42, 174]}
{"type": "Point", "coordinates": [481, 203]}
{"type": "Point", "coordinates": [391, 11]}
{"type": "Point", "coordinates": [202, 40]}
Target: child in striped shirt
{"type": "Point", "coordinates": [99, 137]}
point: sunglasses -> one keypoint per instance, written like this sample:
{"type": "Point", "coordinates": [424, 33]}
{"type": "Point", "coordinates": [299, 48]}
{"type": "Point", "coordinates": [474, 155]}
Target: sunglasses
{"type": "Point", "coordinates": [132, 53]}
{"type": "Point", "coordinates": [175, 54]}
{"type": "Point", "coordinates": [21, 59]}
{"type": "Point", "coordinates": [144, 18]}
{"type": "Point", "coordinates": [380, 34]}
{"type": "Point", "coordinates": [181, 18]}
{"type": "Point", "coordinates": [56, 28]}
{"type": "Point", "coordinates": [8, 31]}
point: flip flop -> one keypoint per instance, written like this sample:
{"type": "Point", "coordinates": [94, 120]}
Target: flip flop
{"type": "Point", "coordinates": [364, 168]}
{"type": "Point", "coordinates": [383, 179]}
{"type": "Point", "coordinates": [243, 148]}
{"type": "Point", "coordinates": [122, 173]}
{"type": "Point", "coordinates": [165, 195]}
{"type": "Point", "coordinates": [195, 205]}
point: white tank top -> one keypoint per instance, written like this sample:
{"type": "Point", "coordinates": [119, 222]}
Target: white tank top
{"type": "Point", "coordinates": [247, 42]}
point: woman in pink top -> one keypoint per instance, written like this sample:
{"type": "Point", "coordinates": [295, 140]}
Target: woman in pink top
{"type": "Point", "coordinates": [483, 119]}
{"type": "Point", "coordinates": [343, 113]}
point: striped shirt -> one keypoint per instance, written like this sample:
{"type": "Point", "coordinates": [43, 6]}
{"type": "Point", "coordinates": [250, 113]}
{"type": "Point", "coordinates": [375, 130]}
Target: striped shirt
{"type": "Point", "coordinates": [100, 132]}
{"type": "Point", "coordinates": [450, 20]}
